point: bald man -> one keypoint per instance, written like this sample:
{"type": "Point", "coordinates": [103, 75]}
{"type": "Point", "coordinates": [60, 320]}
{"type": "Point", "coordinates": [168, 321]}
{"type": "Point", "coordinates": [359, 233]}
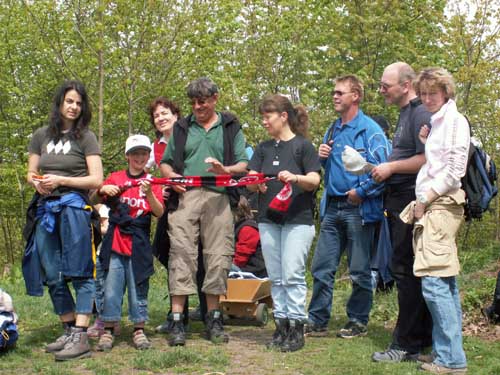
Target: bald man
{"type": "Point", "coordinates": [413, 331]}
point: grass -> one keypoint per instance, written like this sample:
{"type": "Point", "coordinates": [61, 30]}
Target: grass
{"type": "Point", "coordinates": [246, 353]}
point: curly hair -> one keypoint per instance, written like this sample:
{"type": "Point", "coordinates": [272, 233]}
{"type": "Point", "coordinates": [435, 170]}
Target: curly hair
{"type": "Point", "coordinates": [164, 102]}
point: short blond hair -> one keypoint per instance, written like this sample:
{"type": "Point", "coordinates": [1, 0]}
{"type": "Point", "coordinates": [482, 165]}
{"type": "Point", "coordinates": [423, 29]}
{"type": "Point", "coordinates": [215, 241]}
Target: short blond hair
{"type": "Point", "coordinates": [435, 77]}
{"type": "Point", "coordinates": [355, 82]}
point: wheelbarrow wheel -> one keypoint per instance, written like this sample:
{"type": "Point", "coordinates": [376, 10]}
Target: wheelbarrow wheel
{"type": "Point", "coordinates": [262, 314]}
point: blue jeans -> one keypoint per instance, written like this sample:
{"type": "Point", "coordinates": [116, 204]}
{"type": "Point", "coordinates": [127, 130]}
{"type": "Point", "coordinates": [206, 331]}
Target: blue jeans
{"type": "Point", "coordinates": [119, 276]}
{"type": "Point", "coordinates": [285, 249]}
{"type": "Point", "coordinates": [341, 229]}
{"type": "Point", "coordinates": [443, 300]}
{"type": "Point", "coordinates": [50, 252]}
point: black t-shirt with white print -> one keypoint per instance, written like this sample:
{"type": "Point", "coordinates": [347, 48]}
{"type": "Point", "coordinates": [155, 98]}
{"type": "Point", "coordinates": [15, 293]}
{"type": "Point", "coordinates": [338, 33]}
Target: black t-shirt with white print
{"type": "Point", "coordinates": [271, 157]}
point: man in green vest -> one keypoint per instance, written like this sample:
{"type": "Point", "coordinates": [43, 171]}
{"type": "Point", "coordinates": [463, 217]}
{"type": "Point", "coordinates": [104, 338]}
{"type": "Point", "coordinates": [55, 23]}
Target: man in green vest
{"type": "Point", "coordinates": [205, 143]}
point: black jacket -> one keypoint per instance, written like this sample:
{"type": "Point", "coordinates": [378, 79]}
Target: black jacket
{"type": "Point", "coordinates": [231, 127]}
{"type": "Point", "coordinates": [139, 228]}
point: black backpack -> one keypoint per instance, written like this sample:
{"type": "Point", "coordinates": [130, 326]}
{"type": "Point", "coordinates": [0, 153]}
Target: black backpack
{"type": "Point", "coordinates": [479, 183]}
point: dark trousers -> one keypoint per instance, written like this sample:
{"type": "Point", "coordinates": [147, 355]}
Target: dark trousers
{"type": "Point", "coordinates": [496, 297]}
{"type": "Point", "coordinates": [413, 331]}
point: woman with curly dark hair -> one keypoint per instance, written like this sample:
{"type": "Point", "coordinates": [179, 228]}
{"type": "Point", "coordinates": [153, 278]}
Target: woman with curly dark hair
{"type": "Point", "coordinates": [64, 164]}
{"type": "Point", "coordinates": [163, 114]}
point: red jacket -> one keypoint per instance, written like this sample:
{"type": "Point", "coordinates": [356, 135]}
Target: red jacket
{"type": "Point", "coordinates": [246, 245]}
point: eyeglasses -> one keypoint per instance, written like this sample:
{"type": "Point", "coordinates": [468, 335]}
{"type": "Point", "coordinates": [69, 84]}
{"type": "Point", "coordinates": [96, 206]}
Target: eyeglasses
{"type": "Point", "coordinates": [386, 86]}
{"type": "Point", "coordinates": [341, 93]}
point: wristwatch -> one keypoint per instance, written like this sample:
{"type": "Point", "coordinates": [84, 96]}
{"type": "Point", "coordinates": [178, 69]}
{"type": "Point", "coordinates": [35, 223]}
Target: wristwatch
{"type": "Point", "coordinates": [422, 198]}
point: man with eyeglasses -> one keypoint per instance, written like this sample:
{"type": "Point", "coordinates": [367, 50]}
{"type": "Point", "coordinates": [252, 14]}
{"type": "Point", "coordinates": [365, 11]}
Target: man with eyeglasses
{"type": "Point", "coordinates": [205, 138]}
{"type": "Point", "coordinates": [350, 207]}
{"type": "Point", "coordinates": [413, 331]}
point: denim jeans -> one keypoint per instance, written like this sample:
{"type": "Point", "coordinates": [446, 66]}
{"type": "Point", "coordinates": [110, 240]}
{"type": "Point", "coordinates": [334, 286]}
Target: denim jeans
{"type": "Point", "coordinates": [50, 252]}
{"type": "Point", "coordinates": [285, 248]}
{"type": "Point", "coordinates": [342, 229]}
{"type": "Point", "coordinates": [443, 300]}
{"type": "Point", "coordinates": [119, 276]}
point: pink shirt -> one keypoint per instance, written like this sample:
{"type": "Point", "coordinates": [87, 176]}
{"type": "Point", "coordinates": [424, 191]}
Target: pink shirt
{"type": "Point", "coordinates": [446, 152]}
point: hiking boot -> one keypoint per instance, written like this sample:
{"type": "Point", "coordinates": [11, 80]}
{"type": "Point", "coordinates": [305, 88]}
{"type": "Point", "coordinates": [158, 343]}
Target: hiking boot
{"type": "Point", "coordinates": [352, 329]}
{"type": "Point", "coordinates": [311, 329]}
{"type": "Point", "coordinates": [490, 315]}
{"type": "Point", "coordinates": [295, 338]}
{"type": "Point", "coordinates": [177, 335]}
{"type": "Point", "coordinates": [105, 343]}
{"type": "Point", "coordinates": [279, 334]}
{"type": "Point", "coordinates": [215, 328]}
{"type": "Point", "coordinates": [60, 342]}
{"type": "Point", "coordinates": [141, 342]}
{"type": "Point", "coordinates": [394, 355]}
{"type": "Point", "coordinates": [165, 327]}
{"type": "Point", "coordinates": [434, 368]}
{"type": "Point", "coordinates": [76, 347]}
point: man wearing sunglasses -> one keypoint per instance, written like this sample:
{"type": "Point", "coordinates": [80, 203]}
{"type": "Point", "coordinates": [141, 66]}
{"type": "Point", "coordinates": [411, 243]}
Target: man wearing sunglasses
{"type": "Point", "coordinates": [350, 207]}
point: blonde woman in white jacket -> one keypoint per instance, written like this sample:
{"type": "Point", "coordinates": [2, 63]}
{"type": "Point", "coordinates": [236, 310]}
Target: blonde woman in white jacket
{"type": "Point", "coordinates": [438, 214]}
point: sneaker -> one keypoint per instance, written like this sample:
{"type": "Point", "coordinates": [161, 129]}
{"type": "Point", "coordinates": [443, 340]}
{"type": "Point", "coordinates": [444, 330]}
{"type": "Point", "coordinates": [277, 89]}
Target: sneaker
{"type": "Point", "coordinates": [313, 330]}
{"type": "Point", "coordinates": [177, 335]}
{"type": "Point", "coordinates": [59, 343]}
{"type": "Point", "coordinates": [96, 330]}
{"type": "Point", "coordinates": [434, 368]}
{"type": "Point", "coordinates": [77, 346]}
{"type": "Point", "coordinates": [105, 343]}
{"type": "Point", "coordinates": [394, 355]}
{"type": "Point", "coordinates": [352, 329]}
{"type": "Point", "coordinates": [141, 342]}
{"type": "Point", "coordinates": [215, 328]}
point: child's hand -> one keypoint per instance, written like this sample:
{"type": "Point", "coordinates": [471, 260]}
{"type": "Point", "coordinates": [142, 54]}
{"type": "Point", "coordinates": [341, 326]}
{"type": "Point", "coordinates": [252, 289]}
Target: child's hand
{"type": "Point", "coordinates": [145, 186]}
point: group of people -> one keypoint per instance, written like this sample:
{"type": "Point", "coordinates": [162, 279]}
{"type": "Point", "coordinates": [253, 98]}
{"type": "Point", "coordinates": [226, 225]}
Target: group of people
{"type": "Point", "coordinates": [417, 183]}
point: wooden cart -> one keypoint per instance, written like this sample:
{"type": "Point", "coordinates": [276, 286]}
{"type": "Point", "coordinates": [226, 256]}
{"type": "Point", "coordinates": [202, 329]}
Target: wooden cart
{"type": "Point", "coordinates": [247, 300]}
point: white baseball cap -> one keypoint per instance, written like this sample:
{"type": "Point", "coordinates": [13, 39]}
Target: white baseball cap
{"type": "Point", "coordinates": [137, 141]}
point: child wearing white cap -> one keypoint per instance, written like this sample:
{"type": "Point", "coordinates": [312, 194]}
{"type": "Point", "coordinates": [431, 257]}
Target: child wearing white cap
{"type": "Point", "coordinates": [126, 254]}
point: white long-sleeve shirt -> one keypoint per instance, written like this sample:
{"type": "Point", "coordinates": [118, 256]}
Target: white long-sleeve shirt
{"type": "Point", "coordinates": [446, 152]}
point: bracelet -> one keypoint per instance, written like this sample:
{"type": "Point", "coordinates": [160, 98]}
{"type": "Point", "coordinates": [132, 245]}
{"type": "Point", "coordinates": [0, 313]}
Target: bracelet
{"type": "Point", "coordinates": [297, 178]}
